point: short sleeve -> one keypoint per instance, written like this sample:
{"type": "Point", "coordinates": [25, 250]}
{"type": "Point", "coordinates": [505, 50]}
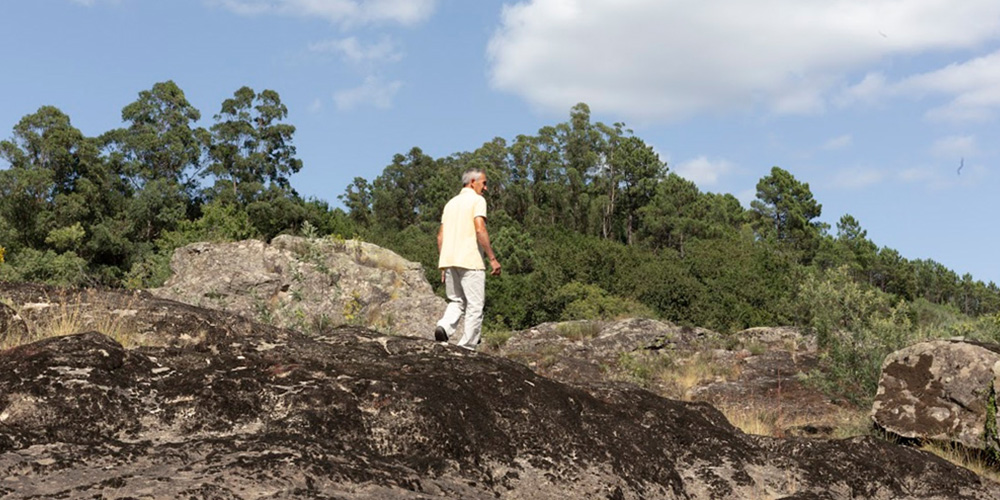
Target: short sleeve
{"type": "Point", "coordinates": [479, 210]}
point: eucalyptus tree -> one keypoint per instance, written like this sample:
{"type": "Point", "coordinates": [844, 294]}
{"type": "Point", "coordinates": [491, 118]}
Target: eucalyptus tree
{"type": "Point", "coordinates": [56, 179]}
{"type": "Point", "coordinates": [357, 198]}
{"type": "Point", "coordinates": [161, 140]}
{"type": "Point", "coordinates": [250, 149]}
{"type": "Point", "coordinates": [251, 158]}
{"type": "Point", "coordinates": [519, 200]}
{"type": "Point", "coordinates": [581, 143]}
{"type": "Point", "coordinates": [549, 184]}
{"type": "Point", "coordinates": [609, 175]}
{"type": "Point", "coordinates": [399, 195]}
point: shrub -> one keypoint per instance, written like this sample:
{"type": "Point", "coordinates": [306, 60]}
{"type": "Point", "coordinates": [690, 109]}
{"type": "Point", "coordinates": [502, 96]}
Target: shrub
{"type": "Point", "coordinates": [49, 267]}
{"type": "Point", "coordinates": [583, 301]}
{"type": "Point", "coordinates": [856, 327]}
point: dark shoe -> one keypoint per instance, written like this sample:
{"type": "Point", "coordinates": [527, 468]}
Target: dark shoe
{"type": "Point", "coordinates": [440, 335]}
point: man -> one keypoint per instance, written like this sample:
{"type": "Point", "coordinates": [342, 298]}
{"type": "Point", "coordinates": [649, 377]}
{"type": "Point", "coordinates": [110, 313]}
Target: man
{"type": "Point", "coordinates": [462, 239]}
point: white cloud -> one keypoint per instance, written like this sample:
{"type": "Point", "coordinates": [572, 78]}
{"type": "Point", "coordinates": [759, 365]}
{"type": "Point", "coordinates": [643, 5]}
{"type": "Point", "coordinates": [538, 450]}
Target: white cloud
{"type": "Point", "coordinates": [372, 92]}
{"type": "Point", "coordinates": [945, 175]}
{"type": "Point", "coordinates": [867, 91]}
{"type": "Point", "coordinates": [667, 59]}
{"type": "Point", "coordinates": [858, 178]}
{"type": "Point", "coordinates": [974, 88]}
{"type": "Point", "coordinates": [702, 171]}
{"type": "Point", "coordinates": [344, 12]}
{"type": "Point", "coordinates": [954, 147]}
{"type": "Point", "coordinates": [916, 174]}
{"type": "Point", "coordinates": [355, 51]}
{"type": "Point", "coordinates": [840, 142]}
{"type": "Point", "coordinates": [316, 106]}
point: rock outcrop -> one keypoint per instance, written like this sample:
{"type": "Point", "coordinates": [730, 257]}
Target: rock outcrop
{"type": "Point", "coordinates": [241, 410]}
{"type": "Point", "coordinates": [306, 284]}
{"type": "Point", "coordinates": [758, 370]}
{"type": "Point", "coordinates": [941, 390]}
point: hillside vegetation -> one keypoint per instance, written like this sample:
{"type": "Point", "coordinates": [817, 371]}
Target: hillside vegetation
{"type": "Point", "coordinates": [588, 222]}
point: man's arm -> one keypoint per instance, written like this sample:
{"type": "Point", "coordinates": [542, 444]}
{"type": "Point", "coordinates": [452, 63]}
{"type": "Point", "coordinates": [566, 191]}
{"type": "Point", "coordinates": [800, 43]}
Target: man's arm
{"type": "Point", "coordinates": [440, 244]}
{"type": "Point", "coordinates": [483, 237]}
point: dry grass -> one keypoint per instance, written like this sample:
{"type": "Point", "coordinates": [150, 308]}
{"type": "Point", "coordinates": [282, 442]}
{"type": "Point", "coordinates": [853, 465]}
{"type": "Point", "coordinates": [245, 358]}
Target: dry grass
{"type": "Point", "coordinates": [54, 319]}
{"type": "Point", "coordinates": [773, 420]}
{"type": "Point", "coordinates": [963, 457]}
{"type": "Point", "coordinates": [683, 375]}
{"type": "Point", "coordinates": [578, 330]}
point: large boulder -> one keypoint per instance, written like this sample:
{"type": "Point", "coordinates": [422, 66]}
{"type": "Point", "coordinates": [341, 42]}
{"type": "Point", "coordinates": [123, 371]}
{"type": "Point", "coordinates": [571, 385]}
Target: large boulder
{"type": "Point", "coordinates": [242, 410]}
{"type": "Point", "coordinates": [941, 390]}
{"type": "Point", "coordinates": [309, 284]}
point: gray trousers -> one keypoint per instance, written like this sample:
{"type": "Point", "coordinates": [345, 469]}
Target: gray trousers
{"type": "Point", "coordinates": [466, 291]}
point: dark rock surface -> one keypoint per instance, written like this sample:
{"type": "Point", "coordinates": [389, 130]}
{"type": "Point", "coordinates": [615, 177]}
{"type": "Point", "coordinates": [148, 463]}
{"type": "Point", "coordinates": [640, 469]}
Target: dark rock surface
{"type": "Point", "coordinates": [244, 410]}
{"type": "Point", "coordinates": [940, 390]}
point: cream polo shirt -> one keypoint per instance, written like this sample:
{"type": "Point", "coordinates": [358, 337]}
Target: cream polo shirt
{"type": "Point", "coordinates": [459, 246]}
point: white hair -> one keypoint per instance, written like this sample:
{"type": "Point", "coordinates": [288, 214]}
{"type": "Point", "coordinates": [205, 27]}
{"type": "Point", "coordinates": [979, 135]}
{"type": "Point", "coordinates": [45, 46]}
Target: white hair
{"type": "Point", "coordinates": [470, 175]}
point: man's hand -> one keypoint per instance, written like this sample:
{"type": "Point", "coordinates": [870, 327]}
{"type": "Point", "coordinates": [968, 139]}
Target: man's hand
{"type": "Point", "coordinates": [495, 264]}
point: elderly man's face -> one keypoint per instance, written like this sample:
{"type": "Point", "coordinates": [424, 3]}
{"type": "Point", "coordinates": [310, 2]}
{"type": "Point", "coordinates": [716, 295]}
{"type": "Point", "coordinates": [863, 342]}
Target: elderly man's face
{"type": "Point", "coordinates": [479, 185]}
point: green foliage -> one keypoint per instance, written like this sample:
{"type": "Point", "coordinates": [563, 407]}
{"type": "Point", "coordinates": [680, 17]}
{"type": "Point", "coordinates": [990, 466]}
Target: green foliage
{"type": "Point", "coordinates": [494, 339]}
{"type": "Point", "coordinates": [583, 215]}
{"type": "Point", "coordinates": [218, 223]}
{"type": "Point", "coordinates": [515, 248]}
{"type": "Point", "coordinates": [411, 189]}
{"type": "Point", "coordinates": [743, 284]}
{"type": "Point", "coordinates": [251, 152]}
{"type": "Point", "coordinates": [49, 267]}
{"type": "Point", "coordinates": [160, 142]}
{"type": "Point", "coordinates": [66, 238]}
{"type": "Point", "coordinates": [856, 327]}
{"type": "Point", "coordinates": [785, 212]}
{"type": "Point", "coordinates": [587, 302]}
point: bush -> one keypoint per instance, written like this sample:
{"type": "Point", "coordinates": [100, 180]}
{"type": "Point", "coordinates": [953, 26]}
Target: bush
{"type": "Point", "coordinates": [589, 302]}
{"type": "Point", "coordinates": [856, 327]}
{"type": "Point", "coordinates": [218, 223]}
{"type": "Point", "coordinates": [30, 265]}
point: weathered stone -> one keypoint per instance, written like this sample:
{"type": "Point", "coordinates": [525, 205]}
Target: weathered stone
{"type": "Point", "coordinates": [583, 351]}
{"type": "Point", "coordinates": [938, 390]}
{"type": "Point", "coordinates": [248, 411]}
{"type": "Point", "coordinates": [307, 284]}
{"type": "Point", "coordinates": [766, 379]}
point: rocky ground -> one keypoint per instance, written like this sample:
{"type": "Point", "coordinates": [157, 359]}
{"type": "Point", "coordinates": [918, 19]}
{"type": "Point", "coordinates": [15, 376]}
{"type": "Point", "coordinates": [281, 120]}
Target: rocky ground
{"type": "Point", "coordinates": [214, 405]}
{"type": "Point", "coordinates": [760, 373]}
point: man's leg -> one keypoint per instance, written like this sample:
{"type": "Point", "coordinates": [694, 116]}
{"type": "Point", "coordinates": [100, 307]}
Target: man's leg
{"type": "Point", "coordinates": [474, 288]}
{"type": "Point", "coordinates": [456, 300]}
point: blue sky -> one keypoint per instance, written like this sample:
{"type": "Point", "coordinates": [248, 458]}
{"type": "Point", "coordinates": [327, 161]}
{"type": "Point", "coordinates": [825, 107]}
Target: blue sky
{"type": "Point", "coordinates": [874, 103]}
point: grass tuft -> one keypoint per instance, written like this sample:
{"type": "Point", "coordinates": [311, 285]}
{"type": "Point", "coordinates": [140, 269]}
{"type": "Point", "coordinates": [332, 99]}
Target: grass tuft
{"type": "Point", "coordinates": [69, 317]}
